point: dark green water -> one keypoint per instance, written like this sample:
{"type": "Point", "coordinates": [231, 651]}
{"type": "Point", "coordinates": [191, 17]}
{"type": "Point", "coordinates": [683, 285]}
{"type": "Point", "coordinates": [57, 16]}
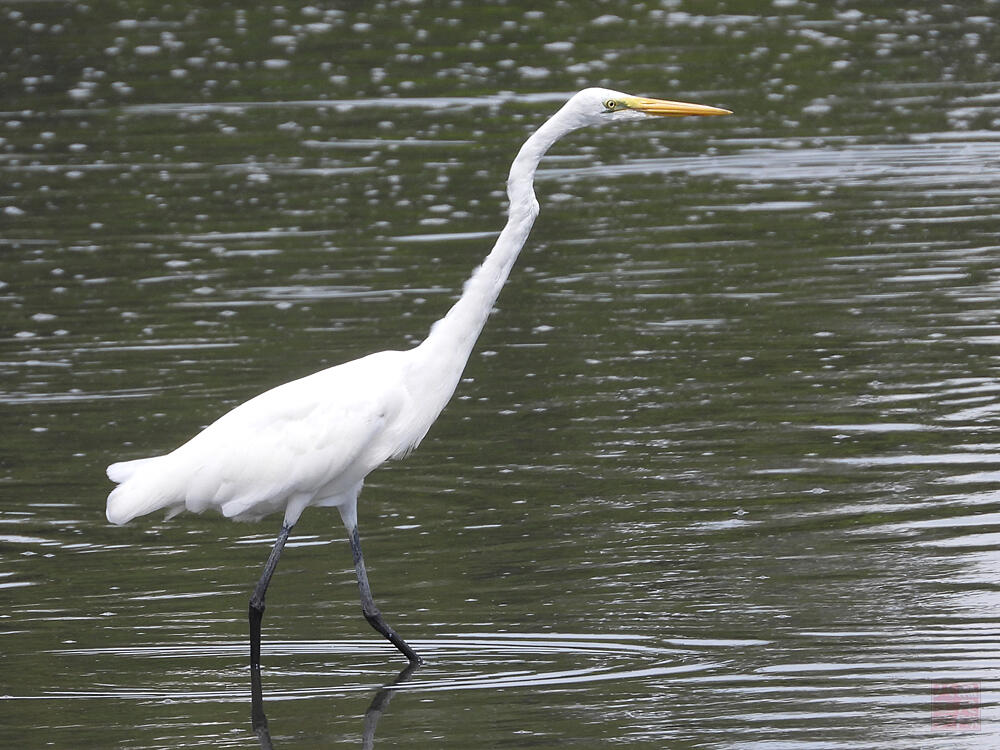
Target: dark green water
{"type": "Point", "coordinates": [722, 472]}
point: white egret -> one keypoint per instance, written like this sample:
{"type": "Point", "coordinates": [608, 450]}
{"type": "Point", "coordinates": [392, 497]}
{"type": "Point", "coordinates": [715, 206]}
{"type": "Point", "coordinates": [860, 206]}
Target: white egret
{"type": "Point", "coordinates": [314, 440]}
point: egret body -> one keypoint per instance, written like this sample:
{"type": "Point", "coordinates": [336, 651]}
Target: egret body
{"type": "Point", "coordinates": [312, 441]}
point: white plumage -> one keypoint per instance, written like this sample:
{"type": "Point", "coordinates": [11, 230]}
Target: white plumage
{"type": "Point", "coordinates": [314, 440]}
{"type": "Point", "coordinates": [308, 442]}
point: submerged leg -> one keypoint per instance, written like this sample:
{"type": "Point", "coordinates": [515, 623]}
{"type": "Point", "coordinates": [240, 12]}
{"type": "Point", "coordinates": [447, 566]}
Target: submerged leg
{"type": "Point", "coordinates": [258, 719]}
{"type": "Point", "coordinates": [380, 702]}
{"type": "Point", "coordinates": [257, 598]}
{"type": "Point", "coordinates": [368, 608]}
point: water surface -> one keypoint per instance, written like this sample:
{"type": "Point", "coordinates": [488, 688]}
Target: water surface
{"type": "Point", "coordinates": [721, 471]}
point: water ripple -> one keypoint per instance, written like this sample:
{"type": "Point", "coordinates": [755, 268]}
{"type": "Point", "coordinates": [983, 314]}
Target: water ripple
{"type": "Point", "coordinates": [459, 662]}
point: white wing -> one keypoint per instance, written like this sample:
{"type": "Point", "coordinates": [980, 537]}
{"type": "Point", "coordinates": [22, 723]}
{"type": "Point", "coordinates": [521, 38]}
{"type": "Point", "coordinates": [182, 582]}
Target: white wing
{"type": "Point", "coordinates": [309, 439]}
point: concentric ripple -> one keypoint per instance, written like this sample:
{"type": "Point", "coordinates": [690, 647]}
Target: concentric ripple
{"type": "Point", "coordinates": [463, 661]}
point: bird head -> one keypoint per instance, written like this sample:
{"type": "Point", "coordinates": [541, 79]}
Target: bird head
{"type": "Point", "coordinates": [596, 105]}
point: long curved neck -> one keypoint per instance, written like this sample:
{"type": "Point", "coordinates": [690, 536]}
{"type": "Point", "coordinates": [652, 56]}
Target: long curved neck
{"type": "Point", "coordinates": [451, 339]}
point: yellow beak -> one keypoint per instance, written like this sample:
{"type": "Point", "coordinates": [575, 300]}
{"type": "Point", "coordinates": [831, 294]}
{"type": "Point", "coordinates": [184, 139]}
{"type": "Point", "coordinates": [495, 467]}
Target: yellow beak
{"type": "Point", "coordinates": [665, 108]}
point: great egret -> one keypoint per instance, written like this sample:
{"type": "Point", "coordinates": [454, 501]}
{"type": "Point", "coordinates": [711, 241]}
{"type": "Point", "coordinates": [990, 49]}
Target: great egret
{"type": "Point", "coordinates": [314, 440]}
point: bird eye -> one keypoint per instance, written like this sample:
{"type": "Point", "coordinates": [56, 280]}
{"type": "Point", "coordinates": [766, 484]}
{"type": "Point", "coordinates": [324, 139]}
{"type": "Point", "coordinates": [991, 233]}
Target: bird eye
{"type": "Point", "coordinates": [610, 104]}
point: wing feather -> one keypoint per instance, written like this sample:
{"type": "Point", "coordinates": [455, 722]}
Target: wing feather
{"type": "Point", "coordinates": [310, 437]}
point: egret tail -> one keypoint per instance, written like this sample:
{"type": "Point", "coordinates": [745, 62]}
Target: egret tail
{"type": "Point", "coordinates": [144, 487]}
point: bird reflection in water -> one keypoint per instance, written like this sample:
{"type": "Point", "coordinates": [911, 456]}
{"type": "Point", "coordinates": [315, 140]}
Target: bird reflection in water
{"type": "Point", "coordinates": [374, 712]}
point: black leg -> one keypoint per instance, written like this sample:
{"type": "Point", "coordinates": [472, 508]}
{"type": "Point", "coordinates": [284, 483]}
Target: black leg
{"type": "Point", "coordinates": [259, 591]}
{"type": "Point", "coordinates": [368, 608]}
{"type": "Point", "coordinates": [258, 719]}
